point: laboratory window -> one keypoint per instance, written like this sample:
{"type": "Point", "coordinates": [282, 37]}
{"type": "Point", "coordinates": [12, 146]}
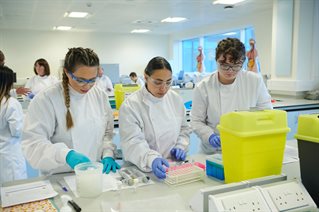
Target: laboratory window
{"type": "Point", "coordinates": [209, 44]}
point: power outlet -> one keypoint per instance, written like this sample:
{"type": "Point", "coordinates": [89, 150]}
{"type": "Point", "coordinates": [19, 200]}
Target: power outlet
{"type": "Point", "coordinates": [280, 196]}
{"type": "Point", "coordinates": [250, 200]}
{"type": "Point", "coordinates": [287, 196]}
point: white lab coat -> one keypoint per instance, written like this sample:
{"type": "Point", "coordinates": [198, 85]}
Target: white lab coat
{"type": "Point", "coordinates": [139, 82]}
{"type": "Point", "coordinates": [12, 162]}
{"type": "Point", "coordinates": [150, 127]}
{"type": "Point", "coordinates": [13, 93]}
{"type": "Point", "coordinates": [38, 83]}
{"type": "Point", "coordinates": [105, 83]}
{"type": "Point", "coordinates": [211, 99]}
{"type": "Point", "coordinates": [46, 141]}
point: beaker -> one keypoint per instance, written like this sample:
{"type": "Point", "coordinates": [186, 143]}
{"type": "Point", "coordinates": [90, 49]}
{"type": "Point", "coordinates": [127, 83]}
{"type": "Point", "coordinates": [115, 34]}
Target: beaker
{"type": "Point", "coordinates": [89, 179]}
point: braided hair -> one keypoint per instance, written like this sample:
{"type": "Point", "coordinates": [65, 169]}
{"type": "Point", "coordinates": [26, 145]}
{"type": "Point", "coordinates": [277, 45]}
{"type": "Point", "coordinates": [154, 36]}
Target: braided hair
{"type": "Point", "coordinates": [74, 58]}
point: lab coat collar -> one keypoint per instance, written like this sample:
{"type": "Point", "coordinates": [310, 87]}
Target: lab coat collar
{"type": "Point", "coordinates": [147, 96]}
{"type": "Point", "coordinates": [39, 77]}
{"type": "Point", "coordinates": [77, 94]}
{"type": "Point", "coordinates": [215, 80]}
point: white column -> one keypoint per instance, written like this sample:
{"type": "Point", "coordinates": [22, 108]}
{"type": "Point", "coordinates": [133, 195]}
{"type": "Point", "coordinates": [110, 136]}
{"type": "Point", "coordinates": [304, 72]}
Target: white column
{"type": "Point", "coordinates": [295, 47]}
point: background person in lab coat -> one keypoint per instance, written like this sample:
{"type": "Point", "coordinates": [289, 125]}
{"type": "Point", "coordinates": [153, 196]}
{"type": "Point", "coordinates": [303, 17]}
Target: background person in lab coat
{"type": "Point", "coordinates": [152, 122]}
{"type": "Point", "coordinates": [42, 78]}
{"type": "Point", "coordinates": [71, 122]}
{"type": "Point", "coordinates": [19, 90]}
{"type": "Point", "coordinates": [136, 80]}
{"type": "Point", "coordinates": [12, 162]}
{"type": "Point", "coordinates": [105, 83]}
{"type": "Point", "coordinates": [228, 89]}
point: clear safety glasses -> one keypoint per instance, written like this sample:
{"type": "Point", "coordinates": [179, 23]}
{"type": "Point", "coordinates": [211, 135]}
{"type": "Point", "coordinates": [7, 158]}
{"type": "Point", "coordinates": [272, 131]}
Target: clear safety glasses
{"type": "Point", "coordinates": [227, 67]}
{"type": "Point", "coordinates": [82, 82]}
{"type": "Point", "coordinates": [160, 83]}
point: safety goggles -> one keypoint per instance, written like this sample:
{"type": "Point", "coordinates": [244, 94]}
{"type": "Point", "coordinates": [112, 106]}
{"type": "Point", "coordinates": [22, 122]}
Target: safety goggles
{"type": "Point", "coordinates": [227, 67]}
{"type": "Point", "coordinates": [160, 83]}
{"type": "Point", "coordinates": [82, 82]}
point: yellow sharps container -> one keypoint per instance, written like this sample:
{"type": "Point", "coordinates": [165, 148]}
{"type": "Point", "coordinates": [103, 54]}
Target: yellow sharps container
{"type": "Point", "coordinates": [253, 143]}
{"type": "Point", "coordinates": [122, 91]}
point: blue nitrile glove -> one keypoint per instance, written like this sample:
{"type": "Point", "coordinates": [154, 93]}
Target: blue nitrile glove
{"type": "Point", "coordinates": [178, 154]}
{"type": "Point", "coordinates": [214, 140]}
{"type": "Point", "coordinates": [158, 169]}
{"type": "Point", "coordinates": [74, 158]}
{"type": "Point", "coordinates": [30, 95]}
{"type": "Point", "coordinates": [108, 164]}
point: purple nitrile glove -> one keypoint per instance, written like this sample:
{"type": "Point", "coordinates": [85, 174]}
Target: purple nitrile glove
{"type": "Point", "coordinates": [214, 140]}
{"type": "Point", "coordinates": [158, 167]}
{"type": "Point", "coordinates": [178, 154]}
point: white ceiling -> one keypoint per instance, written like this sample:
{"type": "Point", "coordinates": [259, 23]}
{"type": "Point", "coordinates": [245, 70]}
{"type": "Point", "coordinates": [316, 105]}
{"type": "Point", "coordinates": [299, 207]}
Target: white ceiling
{"type": "Point", "coordinates": [121, 16]}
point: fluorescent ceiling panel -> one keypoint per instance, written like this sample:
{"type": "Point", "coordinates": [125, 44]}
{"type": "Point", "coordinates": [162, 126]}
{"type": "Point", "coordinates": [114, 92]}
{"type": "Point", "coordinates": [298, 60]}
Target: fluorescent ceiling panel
{"type": "Point", "coordinates": [174, 19]}
{"type": "Point", "coordinates": [228, 1]}
{"type": "Point", "coordinates": [140, 30]}
{"type": "Point", "coordinates": [76, 14]}
{"type": "Point", "coordinates": [63, 28]}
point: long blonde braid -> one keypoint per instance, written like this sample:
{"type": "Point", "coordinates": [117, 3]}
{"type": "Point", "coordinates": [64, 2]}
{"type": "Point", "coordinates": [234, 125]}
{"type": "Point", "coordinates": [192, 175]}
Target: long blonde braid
{"type": "Point", "coordinates": [65, 83]}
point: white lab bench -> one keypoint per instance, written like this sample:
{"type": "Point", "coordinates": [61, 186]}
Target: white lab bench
{"type": "Point", "coordinates": [149, 192]}
{"type": "Point", "coordinates": [293, 106]}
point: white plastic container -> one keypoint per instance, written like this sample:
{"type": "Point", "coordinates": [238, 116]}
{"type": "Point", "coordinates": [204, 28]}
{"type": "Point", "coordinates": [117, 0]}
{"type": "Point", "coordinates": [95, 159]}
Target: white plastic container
{"type": "Point", "coordinates": [89, 179]}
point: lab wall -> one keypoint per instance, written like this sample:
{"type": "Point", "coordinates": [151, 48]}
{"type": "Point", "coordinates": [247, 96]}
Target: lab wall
{"type": "Point", "coordinates": [130, 51]}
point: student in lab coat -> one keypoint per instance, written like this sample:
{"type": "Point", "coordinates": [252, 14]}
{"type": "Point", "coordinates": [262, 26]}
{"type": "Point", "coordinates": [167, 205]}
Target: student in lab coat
{"type": "Point", "coordinates": [105, 83]}
{"type": "Point", "coordinates": [136, 80]}
{"type": "Point", "coordinates": [228, 89]}
{"type": "Point", "coordinates": [18, 91]}
{"type": "Point", "coordinates": [42, 78]}
{"type": "Point", "coordinates": [152, 122]}
{"type": "Point", "coordinates": [12, 162]}
{"type": "Point", "coordinates": [70, 122]}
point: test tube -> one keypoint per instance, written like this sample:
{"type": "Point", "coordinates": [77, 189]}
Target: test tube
{"type": "Point", "coordinates": [141, 176]}
{"type": "Point", "coordinates": [127, 178]}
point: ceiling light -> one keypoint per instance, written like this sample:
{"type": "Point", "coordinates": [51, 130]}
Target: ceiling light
{"type": "Point", "coordinates": [76, 14]}
{"type": "Point", "coordinates": [174, 19]}
{"type": "Point", "coordinates": [140, 30]}
{"type": "Point", "coordinates": [63, 28]}
{"type": "Point", "coordinates": [227, 1]}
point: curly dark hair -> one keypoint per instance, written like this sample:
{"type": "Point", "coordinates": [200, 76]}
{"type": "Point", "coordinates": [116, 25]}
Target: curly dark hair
{"type": "Point", "coordinates": [232, 47]}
